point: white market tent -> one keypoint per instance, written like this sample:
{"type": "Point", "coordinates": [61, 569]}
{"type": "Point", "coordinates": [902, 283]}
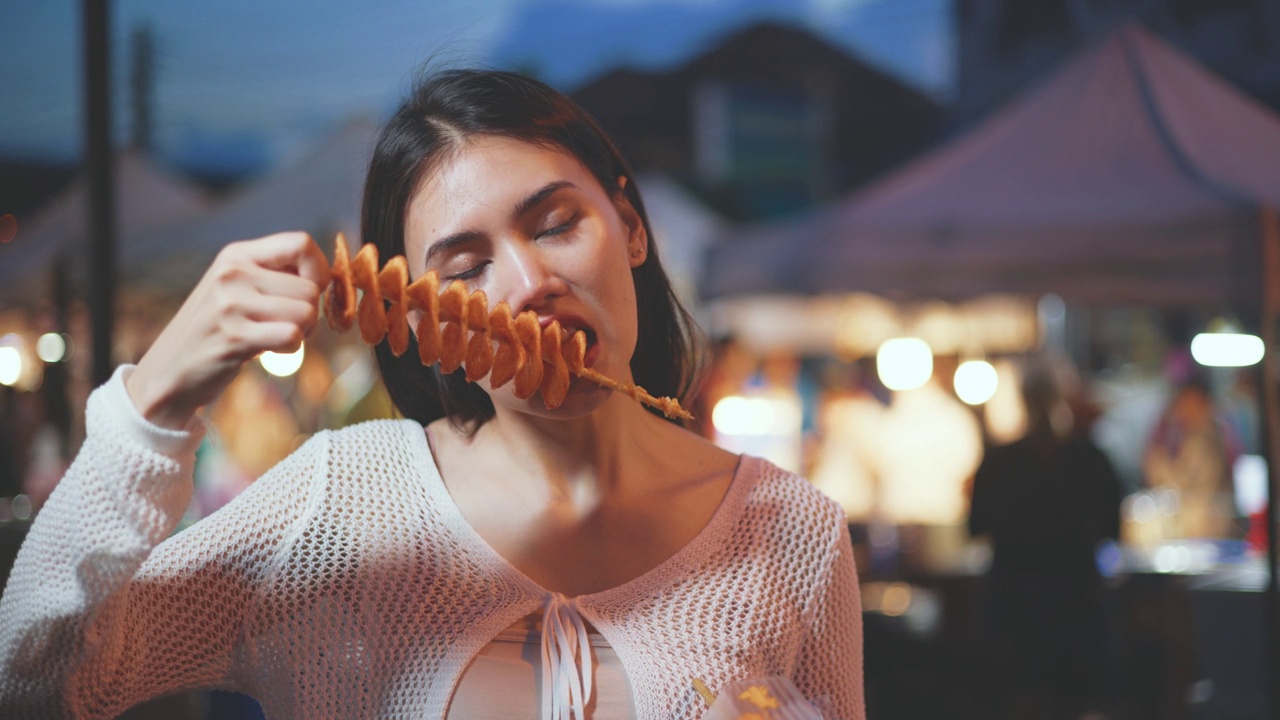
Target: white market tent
{"type": "Point", "coordinates": [1130, 175]}
{"type": "Point", "coordinates": [319, 191]}
{"type": "Point", "coordinates": [149, 198]}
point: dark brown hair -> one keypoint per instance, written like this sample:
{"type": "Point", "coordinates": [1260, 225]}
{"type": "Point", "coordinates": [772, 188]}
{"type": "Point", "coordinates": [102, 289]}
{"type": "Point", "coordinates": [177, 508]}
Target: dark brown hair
{"type": "Point", "coordinates": [441, 111]}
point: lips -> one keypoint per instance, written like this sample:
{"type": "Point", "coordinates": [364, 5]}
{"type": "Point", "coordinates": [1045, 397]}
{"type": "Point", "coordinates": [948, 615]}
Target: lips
{"type": "Point", "coordinates": [569, 324]}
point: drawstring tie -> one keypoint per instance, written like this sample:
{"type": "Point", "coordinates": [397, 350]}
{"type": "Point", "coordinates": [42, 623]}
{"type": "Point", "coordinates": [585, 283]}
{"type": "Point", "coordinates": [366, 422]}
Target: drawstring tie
{"type": "Point", "coordinates": [566, 661]}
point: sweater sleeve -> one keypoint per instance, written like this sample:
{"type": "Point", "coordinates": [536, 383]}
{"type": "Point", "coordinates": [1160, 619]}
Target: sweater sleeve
{"type": "Point", "coordinates": [101, 611]}
{"type": "Point", "coordinates": [830, 665]}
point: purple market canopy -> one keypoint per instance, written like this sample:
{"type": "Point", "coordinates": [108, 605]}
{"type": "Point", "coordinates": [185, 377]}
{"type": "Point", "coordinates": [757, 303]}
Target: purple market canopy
{"type": "Point", "coordinates": [318, 191]}
{"type": "Point", "coordinates": [1130, 175]}
{"type": "Point", "coordinates": [148, 199]}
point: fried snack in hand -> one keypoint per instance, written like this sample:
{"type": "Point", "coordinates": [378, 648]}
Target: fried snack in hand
{"type": "Point", "coordinates": [340, 297]}
{"type": "Point", "coordinates": [537, 359]}
{"type": "Point", "coordinates": [392, 282]}
{"type": "Point", "coordinates": [364, 273]}
{"type": "Point", "coordinates": [510, 355]}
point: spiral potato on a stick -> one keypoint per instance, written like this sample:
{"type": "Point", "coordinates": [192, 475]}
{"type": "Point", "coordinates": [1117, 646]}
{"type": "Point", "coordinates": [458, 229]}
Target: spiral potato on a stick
{"type": "Point", "coordinates": [532, 357]}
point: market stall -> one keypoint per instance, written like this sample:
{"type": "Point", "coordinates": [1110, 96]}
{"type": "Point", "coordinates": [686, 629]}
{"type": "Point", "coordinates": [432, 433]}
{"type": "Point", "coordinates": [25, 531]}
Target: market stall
{"type": "Point", "coordinates": [1131, 176]}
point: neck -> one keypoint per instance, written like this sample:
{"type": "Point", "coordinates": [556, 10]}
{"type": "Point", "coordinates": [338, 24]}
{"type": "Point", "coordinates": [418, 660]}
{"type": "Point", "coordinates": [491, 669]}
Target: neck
{"type": "Point", "coordinates": [580, 460]}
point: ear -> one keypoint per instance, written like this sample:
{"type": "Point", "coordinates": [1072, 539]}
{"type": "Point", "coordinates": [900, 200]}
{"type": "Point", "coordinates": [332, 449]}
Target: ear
{"type": "Point", "coordinates": [637, 236]}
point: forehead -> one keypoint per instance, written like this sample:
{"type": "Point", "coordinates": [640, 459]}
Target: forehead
{"type": "Point", "coordinates": [489, 174]}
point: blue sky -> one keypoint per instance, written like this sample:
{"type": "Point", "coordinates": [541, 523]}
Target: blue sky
{"type": "Point", "coordinates": [248, 78]}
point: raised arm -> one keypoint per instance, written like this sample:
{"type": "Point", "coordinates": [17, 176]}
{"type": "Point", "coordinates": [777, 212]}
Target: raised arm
{"type": "Point", "coordinates": [102, 611]}
{"type": "Point", "coordinates": [98, 614]}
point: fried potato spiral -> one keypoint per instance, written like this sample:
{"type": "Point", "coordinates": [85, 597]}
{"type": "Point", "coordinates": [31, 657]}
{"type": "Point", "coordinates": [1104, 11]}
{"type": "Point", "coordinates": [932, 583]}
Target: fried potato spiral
{"type": "Point", "coordinates": [458, 330]}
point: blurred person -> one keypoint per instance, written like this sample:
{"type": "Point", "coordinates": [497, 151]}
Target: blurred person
{"type": "Point", "coordinates": [1047, 501]}
{"type": "Point", "coordinates": [1241, 413]}
{"type": "Point", "coordinates": [783, 373]}
{"type": "Point", "coordinates": [929, 445]}
{"type": "Point", "coordinates": [486, 556]}
{"type": "Point", "coordinates": [846, 456]}
{"type": "Point", "coordinates": [1191, 453]}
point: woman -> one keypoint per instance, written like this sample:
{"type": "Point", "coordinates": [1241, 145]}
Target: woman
{"type": "Point", "coordinates": [591, 560]}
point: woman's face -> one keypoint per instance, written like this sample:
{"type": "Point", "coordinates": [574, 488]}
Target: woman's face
{"type": "Point", "coordinates": [532, 226]}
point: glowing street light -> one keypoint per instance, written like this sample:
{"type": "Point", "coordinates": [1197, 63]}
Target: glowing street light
{"type": "Point", "coordinates": [904, 363]}
{"type": "Point", "coordinates": [10, 365]}
{"type": "Point", "coordinates": [1223, 349]}
{"type": "Point", "coordinates": [976, 381]}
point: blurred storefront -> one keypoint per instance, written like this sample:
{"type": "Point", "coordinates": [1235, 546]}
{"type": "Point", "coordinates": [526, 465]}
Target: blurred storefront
{"type": "Point", "coordinates": [1119, 208]}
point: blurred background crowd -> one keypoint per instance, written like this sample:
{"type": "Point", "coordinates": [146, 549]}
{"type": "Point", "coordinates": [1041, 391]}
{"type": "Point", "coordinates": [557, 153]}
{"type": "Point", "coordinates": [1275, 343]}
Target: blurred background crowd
{"type": "Point", "coordinates": [994, 274]}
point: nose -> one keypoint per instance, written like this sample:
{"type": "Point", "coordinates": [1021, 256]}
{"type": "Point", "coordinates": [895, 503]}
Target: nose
{"type": "Point", "coordinates": [530, 280]}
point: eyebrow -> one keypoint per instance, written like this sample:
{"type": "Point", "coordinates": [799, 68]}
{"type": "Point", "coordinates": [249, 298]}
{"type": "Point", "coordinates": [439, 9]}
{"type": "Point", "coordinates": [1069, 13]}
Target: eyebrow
{"type": "Point", "coordinates": [522, 207]}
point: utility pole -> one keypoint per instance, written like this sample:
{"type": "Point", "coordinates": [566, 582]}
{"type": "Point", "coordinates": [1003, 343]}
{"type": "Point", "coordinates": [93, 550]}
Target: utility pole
{"type": "Point", "coordinates": [101, 270]}
{"type": "Point", "coordinates": [142, 82]}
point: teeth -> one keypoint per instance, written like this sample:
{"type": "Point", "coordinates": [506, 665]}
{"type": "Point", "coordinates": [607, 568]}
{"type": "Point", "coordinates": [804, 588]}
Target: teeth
{"type": "Point", "coordinates": [567, 331]}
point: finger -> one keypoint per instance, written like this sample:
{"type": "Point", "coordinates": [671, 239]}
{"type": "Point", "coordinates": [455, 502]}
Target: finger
{"type": "Point", "coordinates": [294, 252]}
{"type": "Point", "coordinates": [281, 337]}
{"type": "Point", "coordinates": [268, 308]}
{"type": "Point", "coordinates": [282, 284]}
{"type": "Point", "coordinates": [313, 265]}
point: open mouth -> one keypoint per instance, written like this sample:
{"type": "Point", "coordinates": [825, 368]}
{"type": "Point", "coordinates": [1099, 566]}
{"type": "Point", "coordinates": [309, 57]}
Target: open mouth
{"type": "Point", "coordinates": [569, 326]}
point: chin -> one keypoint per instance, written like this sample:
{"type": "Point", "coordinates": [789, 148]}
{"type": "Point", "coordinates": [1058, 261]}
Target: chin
{"type": "Point", "coordinates": [584, 398]}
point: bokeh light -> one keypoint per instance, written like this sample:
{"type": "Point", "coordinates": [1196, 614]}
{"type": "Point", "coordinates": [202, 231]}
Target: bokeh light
{"type": "Point", "coordinates": [51, 347]}
{"type": "Point", "coordinates": [8, 228]}
{"type": "Point", "coordinates": [904, 363]}
{"type": "Point", "coordinates": [736, 415]}
{"type": "Point", "coordinates": [976, 381]}
{"type": "Point", "coordinates": [282, 364]}
{"type": "Point", "coordinates": [10, 365]}
{"type": "Point", "coordinates": [1227, 349]}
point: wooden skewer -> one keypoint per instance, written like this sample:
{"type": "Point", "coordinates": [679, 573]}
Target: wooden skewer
{"type": "Point", "coordinates": [535, 358]}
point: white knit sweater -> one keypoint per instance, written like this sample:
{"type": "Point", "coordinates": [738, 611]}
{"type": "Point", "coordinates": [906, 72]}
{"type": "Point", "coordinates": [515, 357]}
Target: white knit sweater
{"type": "Point", "coordinates": [346, 584]}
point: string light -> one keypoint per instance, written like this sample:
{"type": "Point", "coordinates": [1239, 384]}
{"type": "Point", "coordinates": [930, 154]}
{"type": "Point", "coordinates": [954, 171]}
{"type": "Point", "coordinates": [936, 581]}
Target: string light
{"type": "Point", "coordinates": [976, 381]}
{"type": "Point", "coordinates": [1223, 349]}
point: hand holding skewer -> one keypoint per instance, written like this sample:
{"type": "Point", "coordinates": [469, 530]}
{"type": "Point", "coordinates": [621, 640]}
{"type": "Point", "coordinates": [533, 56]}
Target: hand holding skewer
{"type": "Point", "coordinates": [457, 330]}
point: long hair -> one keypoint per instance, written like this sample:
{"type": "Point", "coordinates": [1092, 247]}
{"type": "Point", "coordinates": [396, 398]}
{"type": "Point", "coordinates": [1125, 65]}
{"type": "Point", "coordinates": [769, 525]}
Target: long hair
{"type": "Point", "coordinates": [439, 114]}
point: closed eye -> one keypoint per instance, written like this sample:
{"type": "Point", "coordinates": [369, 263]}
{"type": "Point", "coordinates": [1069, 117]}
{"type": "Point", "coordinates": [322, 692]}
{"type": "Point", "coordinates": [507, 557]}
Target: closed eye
{"type": "Point", "coordinates": [470, 273]}
{"type": "Point", "coordinates": [561, 228]}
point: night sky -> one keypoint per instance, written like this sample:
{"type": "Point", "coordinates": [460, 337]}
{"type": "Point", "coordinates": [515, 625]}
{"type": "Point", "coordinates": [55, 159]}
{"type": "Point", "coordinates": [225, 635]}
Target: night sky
{"type": "Point", "coordinates": [244, 82]}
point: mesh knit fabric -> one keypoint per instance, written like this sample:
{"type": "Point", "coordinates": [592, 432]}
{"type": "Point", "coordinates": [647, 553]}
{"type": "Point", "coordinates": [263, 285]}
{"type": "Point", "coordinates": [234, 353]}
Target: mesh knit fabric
{"type": "Point", "coordinates": [346, 584]}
